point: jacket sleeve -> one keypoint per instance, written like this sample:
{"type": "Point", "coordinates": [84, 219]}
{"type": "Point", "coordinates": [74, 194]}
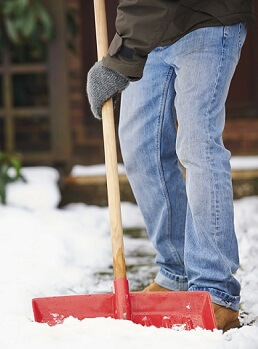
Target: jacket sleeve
{"type": "Point", "coordinates": [140, 25]}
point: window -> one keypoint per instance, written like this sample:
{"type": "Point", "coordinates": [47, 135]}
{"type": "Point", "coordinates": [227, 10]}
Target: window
{"type": "Point", "coordinates": [24, 102]}
{"type": "Point", "coordinates": [34, 115]}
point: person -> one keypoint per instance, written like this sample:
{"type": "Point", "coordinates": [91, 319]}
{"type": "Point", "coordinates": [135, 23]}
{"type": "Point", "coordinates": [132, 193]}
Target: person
{"type": "Point", "coordinates": [174, 61]}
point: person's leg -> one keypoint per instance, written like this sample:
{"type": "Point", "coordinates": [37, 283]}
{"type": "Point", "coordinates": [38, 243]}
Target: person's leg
{"type": "Point", "coordinates": [148, 136]}
{"type": "Point", "coordinates": [205, 62]}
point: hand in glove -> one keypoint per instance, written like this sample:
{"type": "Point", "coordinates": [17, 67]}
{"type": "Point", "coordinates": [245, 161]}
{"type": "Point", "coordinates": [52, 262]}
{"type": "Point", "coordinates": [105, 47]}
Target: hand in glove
{"type": "Point", "coordinates": [102, 84]}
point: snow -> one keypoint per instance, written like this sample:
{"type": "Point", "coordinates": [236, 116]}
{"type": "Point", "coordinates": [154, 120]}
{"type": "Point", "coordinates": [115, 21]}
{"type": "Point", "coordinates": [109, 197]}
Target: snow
{"type": "Point", "coordinates": [239, 163]}
{"type": "Point", "coordinates": [40, 183]}
{"type": "Point", "coordinates": [93, 170]}
{"type": "Point", "coordinates": [47, 251]}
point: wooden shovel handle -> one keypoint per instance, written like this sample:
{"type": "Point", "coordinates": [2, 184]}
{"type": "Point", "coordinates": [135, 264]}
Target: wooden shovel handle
{"type": "Point", "coordinates": [110, 152]}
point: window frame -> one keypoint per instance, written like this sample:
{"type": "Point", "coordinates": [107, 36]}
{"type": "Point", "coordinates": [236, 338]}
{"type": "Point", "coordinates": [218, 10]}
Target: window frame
{"type": "Point", "coordinates": [58, 109]}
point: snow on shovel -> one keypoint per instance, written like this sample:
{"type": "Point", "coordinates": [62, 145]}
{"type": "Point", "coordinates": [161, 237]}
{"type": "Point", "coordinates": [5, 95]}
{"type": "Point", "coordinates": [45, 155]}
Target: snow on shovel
{"type": "Point", "coordinates": [161, 309]}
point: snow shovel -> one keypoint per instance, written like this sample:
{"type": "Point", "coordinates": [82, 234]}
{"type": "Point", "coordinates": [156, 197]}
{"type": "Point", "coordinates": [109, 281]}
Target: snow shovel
{"type": "Point", "coordinates": [160, 309]}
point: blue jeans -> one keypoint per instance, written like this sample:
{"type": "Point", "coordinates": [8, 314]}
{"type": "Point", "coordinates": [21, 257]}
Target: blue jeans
{"type": "Point", "coordinates": [176, 113]}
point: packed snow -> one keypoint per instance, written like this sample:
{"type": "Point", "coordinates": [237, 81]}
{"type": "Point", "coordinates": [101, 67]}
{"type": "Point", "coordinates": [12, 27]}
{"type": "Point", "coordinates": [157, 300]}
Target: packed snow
{"type": "Point", "coordinates": [93, 170]}
{"type": "Point", "coordinates": [47, 251]}
{"type": "Point", "coordinates": [238, 163]}
{"type": "Point", "coordinates": [39, 191]}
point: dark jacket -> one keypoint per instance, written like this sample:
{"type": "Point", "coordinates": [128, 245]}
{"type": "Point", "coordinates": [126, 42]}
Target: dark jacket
{"type": "Point", "coordinates": [142, 25]}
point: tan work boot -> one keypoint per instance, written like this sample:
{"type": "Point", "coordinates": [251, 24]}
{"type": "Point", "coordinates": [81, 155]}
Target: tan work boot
{"type": "Point", "coordinates": [154, 287]}
{"type": "Point", "coordinates": [225, 318]}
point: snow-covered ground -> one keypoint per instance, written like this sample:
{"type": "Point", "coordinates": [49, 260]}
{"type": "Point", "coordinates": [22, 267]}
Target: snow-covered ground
{"type": "Point", "coordinates": [238, 163]}
{"type": "Point", "coordinates": [47, 251]}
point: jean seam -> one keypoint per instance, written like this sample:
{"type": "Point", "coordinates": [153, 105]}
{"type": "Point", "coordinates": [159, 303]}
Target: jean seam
{"type": "Point", "coordinates": [158, 160]}
{"type": "Point", "coordinates": [239, 39]}
{"type": "Point", "coordinates": [214, 193]}
{"type": "Point", "coordinates": [242, 26]}
{"type": "Point", "coordinates": [222, 295]}
{"type": "Point", "coordinates": [175, 277]}
{"type": "Point", "coordinates": [214, 177]}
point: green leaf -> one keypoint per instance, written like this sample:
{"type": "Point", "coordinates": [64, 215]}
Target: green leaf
{"type": "Point", "coordinates": [12, 31]}
{"type": "Point", "coordinates": [2, 157]}
{"type": "Point", "coordinates": [15, 163]}
{"type": "Point", "coordinates": [8, 161]}
{"type": "Point", "coordinates": [9, 7]}
{"type": "Point", "coordinates": [4, 170]}
{"type": "Point", "coordinates": [2, 192]}
{"type": "Point", "coordinates": [22, 5]}
{"type": "Point", "coordinates": [29, 23]}
{"type": "Point", "coordinates": [45, 20]}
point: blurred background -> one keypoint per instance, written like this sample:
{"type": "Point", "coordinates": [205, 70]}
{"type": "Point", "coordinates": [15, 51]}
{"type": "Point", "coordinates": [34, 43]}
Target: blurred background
{"type": "Point", "coordinates": [46, 50]}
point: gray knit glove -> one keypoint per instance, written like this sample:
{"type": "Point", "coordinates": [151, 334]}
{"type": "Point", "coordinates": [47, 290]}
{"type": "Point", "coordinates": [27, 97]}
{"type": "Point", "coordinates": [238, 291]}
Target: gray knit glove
{"type": "Point", "coordinates": [102, 84]}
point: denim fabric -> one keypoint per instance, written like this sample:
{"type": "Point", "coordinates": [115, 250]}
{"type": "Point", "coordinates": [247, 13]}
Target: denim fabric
{"type": "Point", "coordinates": [176, 113]}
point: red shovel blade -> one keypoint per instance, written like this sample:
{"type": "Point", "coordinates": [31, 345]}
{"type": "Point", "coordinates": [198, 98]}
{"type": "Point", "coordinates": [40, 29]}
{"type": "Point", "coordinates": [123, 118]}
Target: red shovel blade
{"type": "Point", "coordinates": [160, 309]}
{"type": "Point", "coordinates": [53, 310]}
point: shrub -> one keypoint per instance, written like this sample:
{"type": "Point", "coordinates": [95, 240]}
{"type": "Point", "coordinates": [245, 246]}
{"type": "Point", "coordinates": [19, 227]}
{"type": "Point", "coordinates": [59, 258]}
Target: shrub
{"type": "Point", "coordinates": [25, 22]}
{"type": "Point", "coordinates": [8, 162]}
